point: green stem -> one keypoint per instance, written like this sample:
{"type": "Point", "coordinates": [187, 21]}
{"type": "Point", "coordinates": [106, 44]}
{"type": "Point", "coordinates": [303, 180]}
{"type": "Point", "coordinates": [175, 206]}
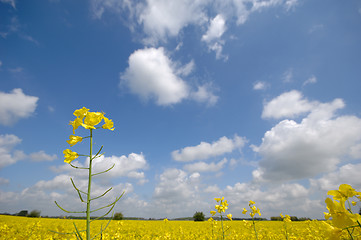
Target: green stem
{"type": "Point", "coordinates": [89, 187]}
{"type": "Point", "coordinates": [222, 226]}
{"type": "Point", "coordinates": [254, 227]}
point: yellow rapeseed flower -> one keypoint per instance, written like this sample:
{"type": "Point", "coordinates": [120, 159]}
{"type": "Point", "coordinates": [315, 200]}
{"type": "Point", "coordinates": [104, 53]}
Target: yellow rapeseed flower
{"type": "Point", "coordinates": [74, 140]}
{"type": "Point", "coordinates": [76, 123]}
{"type": "Point", "coordinates": [92, 119]}
{"type": "Point", "coordinates": [81, 113]}
{"type": "Point", "coordinates": [341, 218]}
{"type": "Point", "coordinates": [108, 124]}
{"type": "Point", "coordinates": [229, 216]}
{"type": "Point", "coordinates": [244, 211]}
{"type": "Point", "coordinates": [69, 155]}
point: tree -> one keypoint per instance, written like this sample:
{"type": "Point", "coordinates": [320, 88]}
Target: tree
{"type": "Point", "coordinates": [118, 216]}
{"type": "Point", "coordinates": [198, 216]}
{"type": "Point", "coordinates": [34, 213]}
{"type": "Point", "coordinates": [22, 213]}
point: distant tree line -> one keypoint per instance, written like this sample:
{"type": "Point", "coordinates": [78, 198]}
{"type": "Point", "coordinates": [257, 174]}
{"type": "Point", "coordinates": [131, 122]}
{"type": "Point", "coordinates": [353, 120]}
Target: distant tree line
{"type": "Point", "coordinates": [293, 218]}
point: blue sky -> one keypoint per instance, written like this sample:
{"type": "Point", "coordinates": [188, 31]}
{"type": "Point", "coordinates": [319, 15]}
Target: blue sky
{"type": "Point", "coordinates": [250, 100]}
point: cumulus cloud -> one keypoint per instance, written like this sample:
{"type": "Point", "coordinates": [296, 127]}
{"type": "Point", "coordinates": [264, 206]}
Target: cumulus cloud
{"type": "Point", "coordinates": [348, 174]}
{"type": "Point", "coordinates": [213, 35]}
{"type": "Point", "coordinates": [8, 156]}
{"type": "Point", "coordinates": [151, 74]}
{"type": "Point", "coordinates": [130, 166]}
{"type": "Point", "coordinates": [207, 150]}
{"type": "Point", "coordinates": [290, 198]}
{"type": "Point", "coordinates": [205, 167]}
{"type": "Point", "coordinates": [163, 18]}
{"type": "Point", "coordinates": [317, 144]}
{"type": "Point", "coordinates": [204, 94]}
{"type": "Point", "coordinates": [42, 156]}
{"type": "Point", "coordinates": [16, 105]}
{"type": "Point", "coordinates": [288, 104]}
{"type": "Point", "coordinates": [177, 193]}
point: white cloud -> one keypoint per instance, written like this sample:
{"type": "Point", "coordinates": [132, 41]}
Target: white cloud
{"type": "Point", "coordinates": [205, 167]}
{"type": "Point", "coordinates": [317, 144]}
{"type": "Point", "coordinates": [346, 174]}
{"type": "Point", "coordinates": [204, 94]}
{"type": "Point", "coordinates": [292, 199]}
{"type": "Point", "coordinates": [207, 150]}
{"type": "Point", "coordinates": [163, 18]}
{"type": "Point", "coordinates": [42, 156]}
{"type": "Point", "coordinates": [16, 105]}
{"type": "Point", "coordinates": [130, 166]}
{"type": "Point", "coordinates": [259, 85]}
{"type": "Point", "coordinates": [311, 80]}
{"type": "Point", "coordinates": [288, 104]}
{"type": "Point", "coordinates": [213, 35]}
{"type": "Point", "coordinates": [177, 194]}
{"type": "Point", "coordinates": [8, 156]}
{"type": "Point", "coordinates": [153, 75]}
{"type": "Point", "coordinates": [216, 29]}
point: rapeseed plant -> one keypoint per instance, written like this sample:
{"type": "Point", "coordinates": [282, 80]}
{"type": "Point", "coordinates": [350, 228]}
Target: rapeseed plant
{"type": "Point", "coordinates": [221, 207]}
{"type": "Point", "coordinates": [254, 210]}
{"type": "Point", "coordinates": [88, 120]}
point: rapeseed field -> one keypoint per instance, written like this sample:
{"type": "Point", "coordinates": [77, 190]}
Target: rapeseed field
{"type": "Point", "coordinates": [13, 227]}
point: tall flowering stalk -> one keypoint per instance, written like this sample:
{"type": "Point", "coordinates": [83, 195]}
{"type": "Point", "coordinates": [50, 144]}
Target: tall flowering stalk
{"type": "Point", "coordinates": [252, 213]}
{"type": "Point", "coordinates": [88, 120]}
{"type": "Point", "coordinates": [221, 207]}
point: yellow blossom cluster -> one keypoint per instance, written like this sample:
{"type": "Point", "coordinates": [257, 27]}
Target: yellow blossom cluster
{"type": "Point", "coordinates": [221, 206]}
{"type": "Point", "coordinates": [88, 120]}
{"type": "Point", "coordinates": [254, 209]}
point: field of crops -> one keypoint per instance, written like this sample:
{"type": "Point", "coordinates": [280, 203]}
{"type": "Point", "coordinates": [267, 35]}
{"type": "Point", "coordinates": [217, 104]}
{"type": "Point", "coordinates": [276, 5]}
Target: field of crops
{"type": "Point", "coordinates": [12, 227]}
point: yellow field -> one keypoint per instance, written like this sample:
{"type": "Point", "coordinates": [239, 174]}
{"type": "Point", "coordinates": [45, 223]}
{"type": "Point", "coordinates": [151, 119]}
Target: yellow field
{"type": "Point", "coordinates": [12, 227]}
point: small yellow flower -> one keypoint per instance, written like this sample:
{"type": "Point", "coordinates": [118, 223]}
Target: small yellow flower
{"type": "Point", "coordinates": [92, 119]}
{"type": "Point", "coordinates": [76, 123]}
{"type": "Point", "coordinates": [81, 113]}
{"type": "Point", "coordinates": [251, 203]}
{"type": "Point", "coordinates": [108, 124]}
{"type": "Point", "coordinates": [165, 220]}
{"type": "Point", "coordinates": [213, 213]}
{"type": "Point", "coordinates": [229, 216]}
{"type": "Point", "coordinates": [244, 211]}
{"type": "Point", "coordinates": [210, 219]}
{"type": "Point", "coordinates": [353, 203]}
{"type": "Point", "coordinates": [74, 140]}
{"type": "Point", "coordinates": [69, 155]}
